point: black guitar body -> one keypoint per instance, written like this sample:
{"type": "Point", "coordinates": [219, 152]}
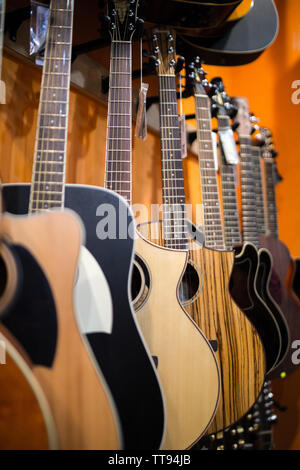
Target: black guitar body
{"type": "Point", "coordinates": [122, 355]}
{"type": "Point", "coordinates": [242, 44]}
{"type": "Point", "coordinates": [295, 282]}
{"type": "Point", "coordinates": [263, 280]}
{"type": "Point", "coordinates": [243, 290]}
{"type": "Point", "coordinates": [188, 17]}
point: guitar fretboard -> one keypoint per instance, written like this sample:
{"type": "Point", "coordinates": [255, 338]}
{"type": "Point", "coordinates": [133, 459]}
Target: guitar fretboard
{"type": "Point", "coordinates": [271, 206]}
{"type": "Point", "coordinates": [48, 177]}
{"type": "Point", "coordinates": [174, 215]}
{"type": "Point", "coordinates": [213, 228]}
{"type": "Point", "coordinates": [232, 229]}
{"type": "Point", "coordinates": [118, 147]}
{"type": "Point", "coordinates": [260, 207]}
{"type": "Point", "coordinates": [249, 221]}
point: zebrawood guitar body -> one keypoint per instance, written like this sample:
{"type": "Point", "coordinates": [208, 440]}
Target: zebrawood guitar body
{"type": "Point", "coordinates": [239, 350]}
{"type": "Point", "coordinates": [43, 321]}
{"type": "Point", "coordinates": [26, 421]}
{"type": "Point", "coordinates": [186, 363]}
{"type": "Point", "coordinates": [278, 287]}
{"type": "Point", "coordinates": [139, 403]}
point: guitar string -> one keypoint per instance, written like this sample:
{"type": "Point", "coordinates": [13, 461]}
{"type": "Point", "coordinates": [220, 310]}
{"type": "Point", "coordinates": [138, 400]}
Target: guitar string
{"type": "Point", "coordinates": [227, 172]}
{"type": "Point", "coordinates": [208, 175]}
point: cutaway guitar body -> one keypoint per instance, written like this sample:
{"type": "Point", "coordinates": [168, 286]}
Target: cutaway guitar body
{"type": "Point", "coordinates": [186, 363]}
{"type": "Point", "coordinates": [278, 288]}
{"type": "Point", "coordinates": [143, 424]}
{"type": "Point", "coordinates": [205, 297]}
{"type": "Point", "coordinates": [43, 321]}
{"type": "Point", "coordinates": [245, 273]}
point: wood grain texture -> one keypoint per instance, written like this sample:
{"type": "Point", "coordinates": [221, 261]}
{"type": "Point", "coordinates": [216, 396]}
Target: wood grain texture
{"type": "Point", "coordinates": [240, 352]}
{"type": "Point", "coordinates": [82, 408]}
{"type": "Point", "coordinates": [187, 367]}
{"type": "Point", "coordinates": [26, 422]}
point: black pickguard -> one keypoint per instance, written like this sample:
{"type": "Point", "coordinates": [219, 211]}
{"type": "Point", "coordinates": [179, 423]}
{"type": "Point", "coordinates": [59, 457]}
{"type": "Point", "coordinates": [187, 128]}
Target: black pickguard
{"type": "Point", "coordinates": [243, 274]}
{"type": "Point", "coordinates": [122, 357]}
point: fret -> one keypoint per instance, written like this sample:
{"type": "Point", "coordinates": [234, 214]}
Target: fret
{"type": "Point", "coordinates": [49, 159]}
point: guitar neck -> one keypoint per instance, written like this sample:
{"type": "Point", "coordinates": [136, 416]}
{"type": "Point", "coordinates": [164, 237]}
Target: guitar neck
{"type": "Point", "coordinates": [48, 176]}
{"type": "Point", "coordinates": [271, 205]}
{"type": "Point", "coordinates": [249, 222]}
{"type": "Point", "coordinates": [213, 228]}
{"type": "Point", "coordinates": [119, 127]}
{"type": "Point", "coordinates": [260, 207]}
{"type": "Point", "coordinates": [232, 229]}
{"type": "Point", "coordinates": [174, 216]}
{"type": "Point", "coordinates": [2, 16]}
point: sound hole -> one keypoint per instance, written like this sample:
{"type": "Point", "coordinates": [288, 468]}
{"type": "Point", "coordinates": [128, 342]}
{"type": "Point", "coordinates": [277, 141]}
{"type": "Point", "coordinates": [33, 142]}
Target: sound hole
{"type": "Point", "coordinates": [140, 282]}
{"type": "Point", "coordinates": [190, 284]}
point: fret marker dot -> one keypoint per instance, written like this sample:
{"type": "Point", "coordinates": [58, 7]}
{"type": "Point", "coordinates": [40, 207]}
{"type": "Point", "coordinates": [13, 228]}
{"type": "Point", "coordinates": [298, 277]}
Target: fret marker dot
{"type": "Point", "coordinates": [54, 95]}
{"type": "Point", "coordinates": [51, 122]}
{"type": "Point", "coordinates": [38, 157]}
{"type": "Point", "coordinates": [46, 206]}
{"type": "Point", "coordinates": [56, 66]}
{"type": "Point", "coordinates": [58, 35]}
{"type": "Point", "coordinates": [60, 157]}
{"type": "Point", "coordinates": [47, 187]}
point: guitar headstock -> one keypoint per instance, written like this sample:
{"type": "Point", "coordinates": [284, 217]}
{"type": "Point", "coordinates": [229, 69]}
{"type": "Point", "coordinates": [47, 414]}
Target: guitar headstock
{"type": "Point", "coordinates": [201, 84]}
{"type": "Point", "coordinates": [121, 19]}
{"type": "Point", "coordinates": [222, 104]}
{"type": "Point", "coordinates": [164, 51]}
{"type": "Point", "coordinates": [242, 116]}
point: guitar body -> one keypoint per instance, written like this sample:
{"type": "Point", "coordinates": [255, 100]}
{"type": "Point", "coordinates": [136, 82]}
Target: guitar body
{"type": "Point", "coordinates": [278, 288]}
{"type": "Point", "coordinates": [239, 349]}
{"type": "Point", "coordinates": [43, 322]}
{"type": "Point", "coordinates": [188, 17]}
{"type": "Point", "coordinates": [26, 421]}
{"type": "Point", "coordinates": [235, 43]}
{"type": "Point", "coordinates": [186, 364]}
{"type": "Point", "coordinates": [263, 282]}
{"type": "Point", "coordinates": [246, 272]}
{"type": "Point", "coordinates": [139, 403]}
{"type": "Point", "coordinates": [295, 280]}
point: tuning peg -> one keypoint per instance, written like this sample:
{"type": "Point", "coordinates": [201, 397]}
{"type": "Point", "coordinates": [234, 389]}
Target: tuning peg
{"type": "Point", "coordinates": [218, 82]}
{"type": "Point", "coordinates": [214, 112]}
{"type": "Point", "coordinates": [233, 431]}
{"type": "Point", "coordinates": [235, 446]}
{"type": "Point", "coordinates": [220, 447]}
{"type": "Point", "coordinates": [273, 419]}
{"type": "Point", "coordinates": [240, 429]}
{"type": "Point", "coordinates": [179, 64]}
{"type": "Point", "coordinates": [212, 437]}
{"type": "Point", "coordinates": [268, 395]}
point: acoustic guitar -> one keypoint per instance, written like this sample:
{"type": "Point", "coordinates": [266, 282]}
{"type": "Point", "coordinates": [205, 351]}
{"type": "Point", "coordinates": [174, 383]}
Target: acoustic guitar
{"type": "Point", "coordinates": [235, 42]}
{"type": "Point", "coordinates": [204, 290]}
{"type": "Point", "coordinates": [252, 268]}
{"type": "Point", "coordinates": [186, 363]}
{"type": "Point", "coordinates": [42, 319]}
{"type": "Point", "coordinates": [192, 17]}
{"type": "Point", "coordinates": [281, 257]}
{"type": "Point", "coordinates": [102, 298]}
{"type": "Point", "coordinates": [26, 421]}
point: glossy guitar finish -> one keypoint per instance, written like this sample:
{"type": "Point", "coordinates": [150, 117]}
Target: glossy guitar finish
{"type": "Point", "coordinates": [42, 320]}
{"type": "Point", "coordinates": [187, 367]}
{"type": "Point", "coordinates": [239, 352]}
{"type": "Point", "coordinates": [281, 266]}
{"type": "Point", "coordinates": [143, 424]}
{"type": "Point", "coordinates": [189, 17]}
{"type": "Point", "coordinates": [295, 280]}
